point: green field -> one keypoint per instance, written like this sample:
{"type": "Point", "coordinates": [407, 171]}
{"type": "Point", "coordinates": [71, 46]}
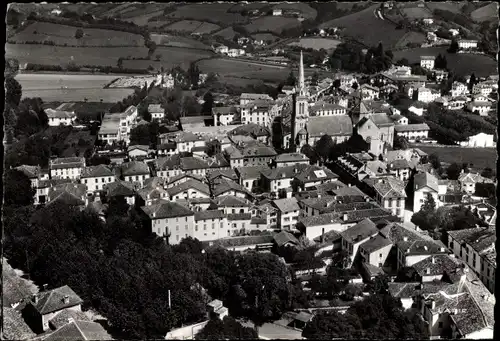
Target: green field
{"type": "Point", "coordinates": [272, 24]}
{"type": "Point", "coordinates": [366, 28]}
{"type": "Point", "coordinates": [265, 37]}
{"type": "Point", "coordinates": [170, 57]}
{"type": "Point", "coordinates": [178, 41]}
{"type": "Point", "coordinates": [71, 88]}
{"type": "Point", "coordinates": [226, 33]}
{"type": "Point", "coordinates": [485, 13]}
{"type": "Point", "coordinates": [142, 20]}
{"type": "Point", "coordinates": [461, 63]}
{"type": "Point", "coordinates": [213, 12]}
{"type": "Point", "coordinates": [479, 157]}
{"type": "Point", "coordinates": [59, 55]}
{"type": "Point", "coordinates": [306, 11]}
{"type": "Point", "coordinates": [317, 43]}
{"type": "Point", "coordinates": [452, 6]}
{"type": "Point", "coordinates": [191, 26]}
{"type": "Point", "coordinates": [415, 13]}
{"type": "Point", "coordinates": [63, 34]}
{"type": "Point", "coordinates": [411, 37]}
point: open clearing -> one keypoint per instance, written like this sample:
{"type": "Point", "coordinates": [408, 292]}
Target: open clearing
{"type": "Point", "coordinates": [479, 157]}
{"type": "Point", "coordinates": [416, 13]}
{"type": "Point", "coordinates": [266, 37]}
{"type": "Point", "coordinates": [367, 29]}
{"type": "Point", "coordinates": [142, 20]}
{"type": "Point", "coordinates": [307, 11]}
{"type": "Point", "coordinates": [54, 87]}
{"type": "Point", "coordinates": [63, 34]}
{"type": "Point", "coordinates": [272, 24]}
{"type": "Point", "coordinates": [451, 6]}
{"type": "Point", "coordinates": [178, 41]}
{"type": "Point", "coordinates": [411, 37]}
{"type": "Point", "coordinates": [227, 33]}
{"type": "Point", "coordinates": [170, 57]}
{"type": "Point", "coordinates": [59, 55]}
{"type": "Point", "coordinates": [485, 13]}
{"type": "Point", "coordinates": [461, 63]}
{"type": "Point", "coordinates": [213, 12]}
{"type": "Point", "coordinates": [190, 26]}
{"type": "Point", "coordinates": [317, 43]}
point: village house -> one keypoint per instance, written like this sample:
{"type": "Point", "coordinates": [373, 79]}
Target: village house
{"type": "Point", "coordinates": [413, 132]}
{"type": "Point", "coordinates": [356, 235]}
{"type": "Point", "coordinates": [417, 109]}
{"type": "Point", "coordinates": [479, 140]}
{"type": "Point", "coordinates": [427, 95]}
{"type": "Point", "coordinates": [210, 225]}
{"type": "Point", "coordinates": [466, 44]}
{"type": "Point", "coordinates": [223, 187]}
{"type": "Point", "coordinates": [440, 75]}
{"type": "Point", "coordinates": [424, 184]}
{"type": "Point", "coordinates": [375, 251]}
{"type": "Point", "coordinates": [278, 181]}
{"type": "Point", "coordinates": [458, 89]}
{"type": "Point", "coordinates": [287, 213]}
{"type": "Point", "coordinates": [249, 177]}
{"type": "Point", "coordinates": [190, 189]}
{"type": "Point", "coordinates": [369, 92]}
{"type": "Point", "coordinates": [456, 103]}
{"type": "Point", "coordinates": [66, 168]}
{"type": "Point", "coordinates": [378, 125]}
{"type": "Point", "coordinates": [312, 176]}
{"type": "Point", "coordinates": [223, 49]}
{"type": "Point", "coordinates": [170, 220]}
{"type": "Point", "coordinates": [122, 189]}
{"type": "Point", "coordinates": [224, 115]}
{"type": "Point", "coordinates": [399, 119]}
{"type": "Point", "coordinates": [167, 167]}
{"type": "Point", "coordinates": [250, 154]}
{"type": "Point", "coordinates": [480, 105]}
{"type": "Point", "coordinates": [246, 98]}
{"type": "Point", "coordinates": [257, 112]}
{"type": "Point", "coordinates": [138, 152]}
{"type": "Point", "coordinates": [389, 193]}
{"type": "Point", "coordinates": [59, 117]}
{"type": "Point", "coordinates": [135, 171]}
{"type": "Point", "coordinates": [483, 88]}
{"type": "Point", "coordinates": [291, 159]}
{"type": "Point", "coordinates": [97, 177]}
{"type": "Point", "coordinates": [468, 181]}
{"type": "Point", "coordinates": [156, 111]}
{"type": "Point", "coordinates": [327, 109]}
{"type": "Point", "coordinates": [427, 62]}
{"type": "Point", "coordinates": [339, 128]}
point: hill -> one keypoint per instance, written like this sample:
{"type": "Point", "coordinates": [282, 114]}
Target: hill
{"type": "Point", "coordinates": [485, 13]}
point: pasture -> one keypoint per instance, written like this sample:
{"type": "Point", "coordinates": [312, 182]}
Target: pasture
{"type": "Point", "coordinates": [272, 24]}
{"type": "Point", "coordinates": [415, 13]}
{"type": "Point", "coordinates": [63, 34]}
{"type": "Point", "coordinates": [411, 37]}
{"type": "Point", "coordinates": [73, 88]}
{"type": "Point", "coordinates": [178, 41]}
{"type": "Point", "coordinates": [191, 26]}
{"type": "Point", "coordinates": [265, 37]}
{"type": "Point", "coordinates": [485, 13]}
{"type": "Point", "coordinates": [60, 55]}
{"type": "Point", "coordinates": [461, 63]}
{"type": "Point", "coordinates": [227, 33]}
{"type": "Point", "coordinates": [169, 57]}
{"type": "Point", "coordinates": [307, 11]}
{"type": "Point", "coordinates": [479, 157]}
{"type": "Point", "coordinates": [452, 6]}
{"type": "Point", "coordinates": [238, 7]}
{"type": "Point", "coordinates": [317, 43]}
{"type": "Point", "coordinates": [366, 28]}
{"type": "Point", "coordinates": [213, 12]}
{"type": "Point", "coordinates": [143, 20]}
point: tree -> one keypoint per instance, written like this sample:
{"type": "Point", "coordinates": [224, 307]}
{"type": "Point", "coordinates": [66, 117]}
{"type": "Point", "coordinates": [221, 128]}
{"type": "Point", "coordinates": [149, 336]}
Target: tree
{"type": "Point", "coordinates": [227, 329]}
{"type": "Point", "coordinates": [403, 62]}
{"type": "Point", "coordinates": [189, 245]}
{"type": "Point", "coordinates": [13, 91]}
{"type": "Point", "coordinates": [453, 171]}
{"type": "Point", "coordinates": [323, 147]}
{"type": "Point", "coordinates": [291, 80]}
{"type": "Point", "coordinates": [355, 86]}
{"type": "Point", "coordinates": [315, 78]}
{"type": "Point", "coordinates": [17, 189]}
{"type": "Point", "coordinates": [208, 103]}
{"type": "Point", "coordinates": [434, 161]}
{"type": "Point", "coordinates": [400, 142]}
{"type": "Point", "coordinates": [426, 218]}
{"type": "Point", "coordinates": [453, 47]}
{"type": "Point", "coordinates": [79, 33]}
{"type": "Point", "coordinates": [472, 81]}
{"type": "Point", "coordinates": [194, 74]}
{"type": "Point", "coordinates": [487, 173]}
{"type": "Point", "coordinates": [440, 62]}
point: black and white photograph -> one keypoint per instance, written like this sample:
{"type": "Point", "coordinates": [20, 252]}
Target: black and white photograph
{"type": "Point", "coordinates": [249, 170]}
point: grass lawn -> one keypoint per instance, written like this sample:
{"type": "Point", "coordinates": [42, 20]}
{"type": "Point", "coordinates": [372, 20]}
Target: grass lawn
{"type": "Point", "coordinates": [479, 157]}
{"type": "Point", "coordinates": [178, 41]}
{"type": "Point", "coordinates": [411, 37]}
{"type": "Point", "coordinates": [461, 63]}
{"type": "Point", "coordinates": [454, 7]}
{"type": "Point", "coordinates": [216, 12]}
{"type": "Point", "coordinates": [485, 13]}
{"type": "Point", "coordinates": [227, 33]}
{"type": "Point", "coordinates": [265, 37]}
{"type": "Point", "coordinates": [317, 43]}
{"type": "Point", "coordinates": [307, 11]}
{"type": "Point", "coordinates": [365, 27]}
{"type": "Point", "coordinates": [60, 55]}
{"type": "Point", "coordinates": [272, 23]}
{"type": "Point", "coordinates": [190, 26]}
{"type": "Point", "coordinates": [169, 58]}
{"type": "Point", "coordinates": [416, 13]}
{"type": "Point", "coordinates": [63, 34]}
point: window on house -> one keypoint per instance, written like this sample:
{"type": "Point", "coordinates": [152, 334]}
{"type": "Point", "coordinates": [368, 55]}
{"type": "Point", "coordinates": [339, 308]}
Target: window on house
{"type": "Point", "coordinates": [177, 237]}
{"type": "Point", "coordinates": [440, 325]}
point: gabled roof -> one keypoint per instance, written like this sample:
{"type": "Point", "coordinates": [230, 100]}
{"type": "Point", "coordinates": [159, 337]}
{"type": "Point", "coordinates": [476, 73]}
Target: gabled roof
{"type": "Point", "coordinates": [222, 186]}
{"type": "Point", "coordinates": [162, 209]}
{"type": "Point", "coordinates": [426, 180]}
{"type": "Point", "coordinates": [134, 168]}
{"type": "Point", "coordinates": [32, 172]}
{"type": "Point", "coordinates": [79, 330]}
{"type": "Point", "coordinates": [208, 214]}
{"type": "Point", "coordinates": [480, 239]}
{"type": "Point", "coordinates": [291, 157]}
{"type": "Point", "coordinates": [285, 237]}
{"type": "Point", "coordinates": [436, 265]}
{"type": "Point", "coordinates": [250, 129]}
{"type": "Point", "coordinates": [381, 120]}
{"type": "Point", "coordinates": [399, 164]}
{"type": "Point", "coordinates": [360, 231]}
{"type": "Point", "coordinates": [387, 187]}
{"type": "Point", "coordinates": [473, 178]}
{"type": "Point", "coordinates": [120, 188]}
{"type": "Point", "coordinates": [312, 173]}
{"type": "Point", "coordinates": [189, 184]}
{"type": "Point", "coordinates": [375, 243]}
{"type": "Point", "coordinates": [144, 148]}
{"type": "Point", "coordinates": [231, 201]}
{"type": "Point", "coordinates": [67, 162]}
{"type": "Point", "coordinates": [250, 172]}
{"type": "Point", "coordinates": [422, 247]}
{"type": "Point", "coordinates": [286, 172]}
{"type": "Point", "coordinates": [53, 300]}
{"type": "Point", "coordinates": [287, 205]}
{"type": "Point", "coordinates": [340, 125]}
{"type": "Point", "coordinates": [225, 173]}
{"type": "Point", "coordinates": [169, 162]}
{"type": "Point", "coordinates": [191, 163]}
{"type": "Point", "coordinates": [411, 127]}
{"type": "Point", "coordinates": [97, 171]}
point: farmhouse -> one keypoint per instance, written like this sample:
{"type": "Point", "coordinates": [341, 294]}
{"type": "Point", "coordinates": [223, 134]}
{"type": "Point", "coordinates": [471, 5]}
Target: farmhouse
{"type": "Point", "coordinates": [60, 117]}
{"type": "Point", "coordinates": [480, 107]}
{"type": "Point", "coordinates": [483, 88]}
{"type": "Point", "coordinates": [96, 177]}
{"type": "Point", "coordinates": [479, 140]}
{"type": "Point", "coordinates": [427, 95]}
{"type": "Point", "coordinates": [427, 62]}
{"type": "Point", "coordinates": [413, 132]}
{"type": "Point", "coordinates": [467, 44]}
{"type": "Point", "coordinates": [156, 111]}
{"type": "Point", "coordinates": [458, 89]}
{"type": "Point", "coordinates": [222, 49]}
{"type": "Point", "coordinates": [66, 168]}
{"type": "Point", "coordinates": [223, 116]}
{"type": "Point", "coordinates": [277, 11]}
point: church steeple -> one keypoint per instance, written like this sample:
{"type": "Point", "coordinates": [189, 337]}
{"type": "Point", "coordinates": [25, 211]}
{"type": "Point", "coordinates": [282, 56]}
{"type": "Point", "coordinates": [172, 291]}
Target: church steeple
{"type": "Point", "coordinates": [302, 85]}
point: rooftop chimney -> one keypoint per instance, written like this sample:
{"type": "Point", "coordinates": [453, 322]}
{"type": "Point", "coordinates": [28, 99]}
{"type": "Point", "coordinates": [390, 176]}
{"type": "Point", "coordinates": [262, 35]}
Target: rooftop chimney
{"type": "Point", "coordinates": [405, 239]}
{"type": "Point", "coordinates": [345, 216]}
{"type": "Point", "coordinates": [425, 247]}
{"type": "Point", "coordinates": [66, 299]}
{"type": "Point", "coordinates": [34, 298]}
{"type": "Point", "coordinates": [433, 260]}
{"type": "Point", "coordinates": [433, 304]}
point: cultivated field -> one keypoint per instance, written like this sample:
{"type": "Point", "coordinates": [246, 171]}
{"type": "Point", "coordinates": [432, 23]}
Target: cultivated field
{"type": "Point", "coordinates": [416, 13]}
{"type": "Point", "coordinates": [411, 37]}
{"type": "Point", "coordinates": [317, 43]}
{"type": "Point", "coordinates": [479, 157]}
{"type": "Point", "coordinates": [272, 24]}
{"type": "Point", "coordinates": [366, 28]}
{"type": "Point", "coordinates": [62, 34]}
{"type": "Point", "coordinates": [227, 33]}
{"type": "Point", "coordinates": [170, 57]}
{"type": "Point", "coordinates": [191, 26]}
{"type": "Point", "coordinates": [54, 87]}
{"type": "Point", "coordinates": [452, 6]}
{"type": "Point", "coordinates": [178, 41]}
{"type": "Point", "coordinates": [213, 12]}
{"type": "Point", "coordinates": [485, 13]}
{"type": "Point", "coordinates": [307, 11]}
{"type": "Point", "coordinates": [59, 55]}
{"type": "Point", "coordinates": [461, 63]}
{"type": "Point", "coordinates": [238, 7]}
{"type": "Point", "coordinates": [142, 20]}
{"type": "Point", "coordinates": [265, 37]}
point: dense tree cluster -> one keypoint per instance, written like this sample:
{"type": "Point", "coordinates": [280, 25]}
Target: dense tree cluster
{"type": "Point", "coordinates": [376, 317]}
{"type": "Point", "coordinates": [227, 329]}
{"type": "Point", "coordinates": [350, 57]}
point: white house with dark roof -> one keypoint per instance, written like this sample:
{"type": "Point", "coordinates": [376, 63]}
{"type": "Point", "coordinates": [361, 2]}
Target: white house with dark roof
{"type": "Point", "coordinates": [375, 250]}
{"type": "Point", "coordinates": [369, 92]}
{"type": "Point", "coordinates": [230, 204]}
{"type": "Point", "coordinates": [290, 159]}
{"type": "Point", "coordinates": [135, 171]}
{"type": "Point", "coordinates": [170, 220]}
{"type": "Point", "coordinates": [278, 180]}
{"type": "Point", "coordinates": [190, 189]}
{"type": "Point", "coordinates": [156, 111]}
{"type": "Point", "coordinates": [413, 132]}
{"type": "Point", "coordinates": [138, 151]}
{"type": "Point", "coordinates": [479, 140]}
{"type": "Point", "coordinates": [124, 189]}
{"type": "Point", "coordinates": [97, 177]}
{"type": "Point", "coordinates": [469, 180]}
{"type": "Point", "coordinates": [47, 304]}
{"type": "Point", "coordinates": [356, 235]}
{"type": "Point", "coordinates": [327, 109]}
{"type": "Point", "coordinates": [339, 128]}
{"type": "Point", "coordinates": [210, 225]}
{"type": "Point", "coordinates": [389, 193]}
{"type": "Point", "coordinates": [288, 213]}
{"type": "Point", "coordinates": [377, 126]}
{"type": "Point", "coordinates": [66, 168]}
{"type": "Point", "coordinates": [427, 62]}
{"type": "Point", "coordinates": [424, 184]}
{"type": "Point", "coordinates": [250, 176]}
{"type": "Point", "coordinates": [246, 98]}
{"type": "Point", "coordinates": [223, 187]}
{"type": "Point", "coordinates": [311, 176]}
{"type": "Point", "coordinates": [224, 116]}
{"type": "Point", "coordinates": [60, 117]}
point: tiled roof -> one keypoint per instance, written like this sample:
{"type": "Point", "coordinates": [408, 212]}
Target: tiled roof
{"type": "Point", "coordinates": [340, 125]}
{"type": "Point", "coordinates": [208, 214]}
{"type": "Point", "coordinates": [250, 172]}
{"type": "Point", "coordinates": [375, 243]}
{"type": "Point", "coordinates": [68, 162]}
{"type": "Point", "coordinates": [480, 239]}
{"type": "Point", "coordinates": [437, 265]}
{"type": "Point", "coordinates": [387, 187]}
{"type": "Point", "coordinates": [223, 185]}
{"type": "Point", "coordinates": [155, 108]}
{"type": "Point", "coordinates": [142, 147]}
{"type": "Point", "coordinates": [257, 150]}
{"type": "Point", "coordinates": [189, 184]}
{"type": "Point", "coordinates": [399, 164]}
{"type": "Point", "coordinates": [228, 173]}
{"type": "Point", "coordinates": [422, 247]}
{"type": "Point", "coordinates": [32, 172]}
{"type": "Point", "coordinates": [291, 157]}
{"type": "Point", "coordinates": [231, 201]}
{"type": "Point", "coordinates": [14, 327]}
{"type": "Point", "coordinates": [62, 317]}
{"type": "Point", "coordinates": [120, 188]}
{"type": "Point", "coordinates": [287, 205]}
{"type": "Point", "coordinates": [381, 120]}
{"type": "Point", "coordinates": [53, 300]}
{"type": "Point", "coordinates": [411, 127]}
{"type": "Point", "coordinates": [239, 216]}
{"type": "Point", "coordinates": [148, 193]}
{"type": "Point", "coordinates": [70, 194]}
{"type": "Point", "coordinates": [312, 173]}
{"type": "Point", "coordinates": [286, 172]}
{"type": "Point", "coordinates": [97, 171]}
{"type": "Point", "coordinates": [426, 179]}
{"type": "Point", "coordinates": [473, 178]}
{"type": "Point", "coordinates": [166, 163]}
{"type": "Point", "coordinates": [162, 209]}
{"type": "Point", "coordinates": [241, 241]}
{"type": "Point", "coordinates": [253, 96]}
{"type": "Point", "coordinates": [79, 330]}
{"type": "Point", "coordinates": [224, 110]}
{"type": "Point", "coordinates": [360, 231]}
{"type": "Point", "coordinates": [173, 180]}
{"type": "Point", "coordinates": [134, 168]}
{"type": "Point", "coordinates": [51, 113]}
{"type": "Point", "coordinates": [250, 129]}
{"type": "Point", "coordinates": [154, 181]}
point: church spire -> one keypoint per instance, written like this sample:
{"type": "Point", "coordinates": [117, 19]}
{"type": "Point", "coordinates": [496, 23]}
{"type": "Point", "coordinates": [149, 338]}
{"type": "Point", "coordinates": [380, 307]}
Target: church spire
{"type": "Point", "coordinates": [301, 74]}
